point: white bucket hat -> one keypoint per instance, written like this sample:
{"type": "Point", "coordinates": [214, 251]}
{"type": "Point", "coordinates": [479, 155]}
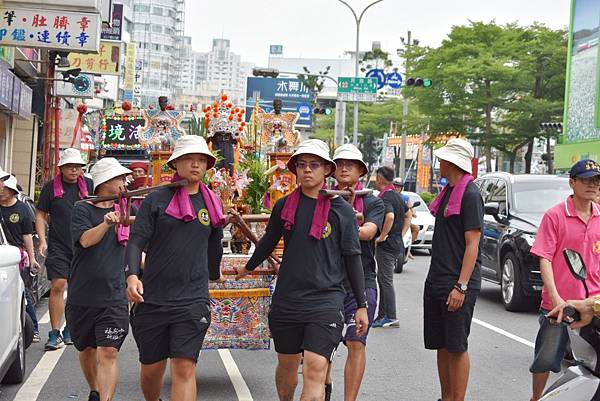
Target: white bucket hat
{"type": "Point", "coordinates": [70, 156]}
{"type": "Point", "coordinates": [11, 182]}
{"type": "Point", "coordinates": [350, 152]}
{"type": "Point", "coordinates": [458, 152]}
{"type": "Point", "coordinates": [191, 144]}
{"type": "Point", "coordinates": [106, 169]}
{"type": "Point", "coordinates": [314, 147]}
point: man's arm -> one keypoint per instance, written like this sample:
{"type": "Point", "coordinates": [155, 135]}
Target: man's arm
{"type": "Point", "coordinates": [406, 222]}
{"type": "Point", "coordinates": [215, 254]}
{"type": "Point", "coordinates": [548, 280]}
{"type": "Point", "coordinates": [41, 222]}
{"type": "Point", "coordinates": [388, 222]}
{"type": "Point", "coordinates": [367, 231]}
{"type": "Point", "coordinates": [456, 298]}
{"type": "Point", "coordinates": [28, 243]}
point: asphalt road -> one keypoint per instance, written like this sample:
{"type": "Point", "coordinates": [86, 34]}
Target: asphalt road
{"type": "Point", "coordinates": [398, 367]}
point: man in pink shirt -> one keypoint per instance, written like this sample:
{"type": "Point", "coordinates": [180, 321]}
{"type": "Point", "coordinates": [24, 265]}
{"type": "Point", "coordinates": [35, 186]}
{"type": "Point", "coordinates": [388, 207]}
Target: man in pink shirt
{"type": "Point", "coordinates": [574, 224]}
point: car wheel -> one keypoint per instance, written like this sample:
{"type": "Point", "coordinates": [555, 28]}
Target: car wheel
{"type": "Point", "coordinates": [512, 289]}
{"type": "Point", "coordinates": [29, 331]}
{"type": "Point", "coordinates": [16, 373]}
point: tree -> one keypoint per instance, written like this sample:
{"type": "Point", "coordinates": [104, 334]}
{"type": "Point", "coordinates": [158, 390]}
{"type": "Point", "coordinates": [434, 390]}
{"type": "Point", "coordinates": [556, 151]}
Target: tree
{"type": "Point", "coordinates": [492, 82]}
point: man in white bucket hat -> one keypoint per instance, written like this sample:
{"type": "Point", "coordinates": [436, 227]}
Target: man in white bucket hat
{"type": "Point", "coordinates": [321, 249]}
{"type": "Point", "coordinates": [454, 278]}
{"type": "Point", "coordinates": [54, 209]}
{"type": "Point", "coordinates": [350, 168]}
{"type": "Point", "coordinates": [96, 310]}
{"type": "Point", "coordinates": [182, 230]}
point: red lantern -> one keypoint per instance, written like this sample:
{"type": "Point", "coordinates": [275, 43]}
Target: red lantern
{"type": "Point", "coordinates": [216, 115]}
{"type": "Point", "coordinates": [126, 106]}
{"type": "Point", "coordinates": [82, 108]}
{"type": "Point", "coordinates": [230, 118]}
{"type": "Point", "coordinates": [224, 97]}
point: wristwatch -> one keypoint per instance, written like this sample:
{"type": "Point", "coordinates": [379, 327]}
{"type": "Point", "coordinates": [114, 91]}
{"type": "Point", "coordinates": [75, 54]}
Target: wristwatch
{"type": "Point", "coordinates": [462, 288]}
{"type": "Point", "coordinates": [596, 306]}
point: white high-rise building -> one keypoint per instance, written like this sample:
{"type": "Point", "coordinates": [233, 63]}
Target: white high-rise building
{"type": "Point", "coordinates": [205, 75]}
{"type": "Point", "coordinates": [158, 30]}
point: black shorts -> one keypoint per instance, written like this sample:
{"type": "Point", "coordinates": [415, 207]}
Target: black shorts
{"type": "Point", "coordinates": [321, 335]}
{"type": "Point", "coordinates": [58, 265]}
{"type": "Point", "coordinates": [163, 332]}
{"type": "Point", "coordinates": [97, 327]}
{"type": "Point", "coordinates": [444, 329]}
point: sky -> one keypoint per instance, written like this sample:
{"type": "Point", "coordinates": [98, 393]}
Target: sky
{"type": "Point", "coordinates": [326, 28]}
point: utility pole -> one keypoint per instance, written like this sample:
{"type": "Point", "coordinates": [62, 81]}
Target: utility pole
{"type": "Point", "coordinates": [407, 45]}
{"type": "Point", "coordinates": [357, 19]}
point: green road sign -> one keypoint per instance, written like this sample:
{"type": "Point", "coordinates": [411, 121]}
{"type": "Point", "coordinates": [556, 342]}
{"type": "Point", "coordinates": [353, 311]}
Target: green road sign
{"type": "Point", "coordinates": [357, 89]}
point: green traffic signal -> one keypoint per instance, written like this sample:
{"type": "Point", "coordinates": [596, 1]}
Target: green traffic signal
{"type": "Point", "coordinates": [427, 83]}
{"type": "Point", "coordinates": [328, 112]}
{"type": "Point", "coordinates": [424, 82]}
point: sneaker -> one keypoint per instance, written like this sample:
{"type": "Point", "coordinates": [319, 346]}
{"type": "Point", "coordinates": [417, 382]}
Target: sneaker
{"type": "Point", "coordinates": [66, 335]}
{"type": "Point", "coordinates": [94, 396]}
{"type": "Point", "coordinates": [379, 322]}
{"type": "Point", "coordinates": [393, 323]}
{"type": "Point", "coordinates": [54, 342]}
{"type": "Point", "coordinates": [328, 389]}
{"type": "Point", "coordinates": [36, 337]}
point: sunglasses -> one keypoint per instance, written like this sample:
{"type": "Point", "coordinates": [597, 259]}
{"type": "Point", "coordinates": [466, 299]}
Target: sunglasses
{"type": "Point", "coordinates": [588, 180]}
{"type": "Point", "coordinates": [312, 165]}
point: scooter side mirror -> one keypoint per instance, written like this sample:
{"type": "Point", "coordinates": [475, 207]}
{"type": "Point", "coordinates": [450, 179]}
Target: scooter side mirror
{"type": "Point", "coordinates": [576, 264]}
{"type": "Point", "coordinates": [416, 204]}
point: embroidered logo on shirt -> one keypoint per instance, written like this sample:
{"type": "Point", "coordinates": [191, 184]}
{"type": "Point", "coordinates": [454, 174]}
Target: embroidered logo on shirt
{"type": "Point", "coordinates": [334, 325]}
{"type": "Point", "coordinates": [204, 217]}
{"type": "Point", "coordinates": [14, 218]}
{"type": "Point", "coordinates": [326, 231]}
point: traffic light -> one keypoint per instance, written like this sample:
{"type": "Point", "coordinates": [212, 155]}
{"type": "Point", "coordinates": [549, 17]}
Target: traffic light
{"type": "Point", "coordinates": [424, 82]}
{"type": "Point", "coordinates": [323, 110]}
{"type": "Point", "coordinates": [551, 126]}
{"type": "Point", "coordinates": [265, 72]}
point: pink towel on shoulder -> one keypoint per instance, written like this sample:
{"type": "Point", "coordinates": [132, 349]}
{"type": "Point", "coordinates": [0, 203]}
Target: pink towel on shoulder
{"type": "Point", "coordinates": [122, 230]}
{"type": "Point", "coordinates": [389, 187]}
{"type": "Point", "coordinates": [455, 201]}
{"type": "Point", "coordinates": [59, 191]}
{"type": "Point", "coordinates": [319, 220]}
{"type": "Point", "coordinates": [181, 206]}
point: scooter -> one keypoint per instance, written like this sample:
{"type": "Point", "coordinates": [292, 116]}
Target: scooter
{"type": "Point", "coordinates": [581, 380]}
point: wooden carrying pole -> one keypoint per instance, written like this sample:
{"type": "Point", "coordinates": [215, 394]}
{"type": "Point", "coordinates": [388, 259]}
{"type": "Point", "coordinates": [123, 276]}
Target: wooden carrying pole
{"type": "Point", "coordinates": [240, 222]}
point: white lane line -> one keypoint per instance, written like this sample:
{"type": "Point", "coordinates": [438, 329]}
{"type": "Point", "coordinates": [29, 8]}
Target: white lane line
{"type": "Point", "coordinates": [46, 318]}
{"type": "Point", "coordinates": [504, 333]}
{"type": "Point", "coordinates": [30, 390]}
{"type": "Point", "coordinates": [239, 385]}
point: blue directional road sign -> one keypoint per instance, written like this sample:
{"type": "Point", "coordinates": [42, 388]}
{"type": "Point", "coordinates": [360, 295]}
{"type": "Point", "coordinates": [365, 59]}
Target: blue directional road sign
{"type": "Point", "coordinates": [394, 80]}
{"type": "Point", "coordinates": [304, 110]}
{"type": "Point", "coordinates": [377, 73]}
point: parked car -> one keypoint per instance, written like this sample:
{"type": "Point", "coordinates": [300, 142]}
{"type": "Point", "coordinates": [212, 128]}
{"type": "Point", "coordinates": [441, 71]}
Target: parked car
{"type": "Point", "coordinates": [514, 206]}
{"type": "Point", "coordinates": [16, 330]}
{"type": "Point", "coordinates": [424, 219]}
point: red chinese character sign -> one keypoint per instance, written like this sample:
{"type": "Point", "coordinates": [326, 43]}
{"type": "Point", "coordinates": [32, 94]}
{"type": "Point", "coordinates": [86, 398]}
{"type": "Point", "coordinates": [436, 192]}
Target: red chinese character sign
{"type": "Point", "coordinates": [50, 29]}
{"type": "Point", "coordinates": [121, 131]}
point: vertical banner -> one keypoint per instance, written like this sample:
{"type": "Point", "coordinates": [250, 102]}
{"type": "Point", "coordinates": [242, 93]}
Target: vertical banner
{"type": "Point", "coordinates": [129, 78]}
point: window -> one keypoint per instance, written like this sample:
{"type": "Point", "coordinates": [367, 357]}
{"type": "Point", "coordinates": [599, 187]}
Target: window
{"type": "Point", "coordinates": [156, 47]}
{"type": "Point", "coordinates": [486, 188]}
{"type": "Point", "coordinates": [142, 8]}
{"type": "Point", "coordinates": [498, 194]}
{"type": "Point", "coordinates": [157, 11]}
{"type": "Point", "coordinates": [157, 28]}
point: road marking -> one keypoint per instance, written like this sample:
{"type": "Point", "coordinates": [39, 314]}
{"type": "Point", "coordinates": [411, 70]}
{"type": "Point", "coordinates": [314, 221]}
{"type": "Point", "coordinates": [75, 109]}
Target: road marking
{"type": "Point", "coordinates": [30, 390]}
{"type": "Point", "coordinates": [241, 389]}
{"type": "Point", "coordinates": [504, 333]}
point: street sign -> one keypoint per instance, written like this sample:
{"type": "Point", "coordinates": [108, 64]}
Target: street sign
{"type": "Point", "coordinates": [377, 73]}
{"type": "Point", "coordinates": [394, 80]}
{"type": "Point", "coordinates": [276, 50]}
{"type": "Point", "coordinates": [82, 87]}
{"type": "Point", "coordinates": [357, 89]}
{"type": "Point", "coordinates": [304, 110]}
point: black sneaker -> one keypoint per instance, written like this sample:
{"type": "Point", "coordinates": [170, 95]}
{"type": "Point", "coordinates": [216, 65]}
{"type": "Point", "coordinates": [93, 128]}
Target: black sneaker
{"type": "Point", "coordinates": [94, 396]}
{"type": "Point", "coordinates": [328, 389]}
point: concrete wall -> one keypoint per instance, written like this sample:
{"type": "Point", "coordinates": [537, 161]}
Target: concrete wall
{"type": "Point", "coordinates": [24, 146]}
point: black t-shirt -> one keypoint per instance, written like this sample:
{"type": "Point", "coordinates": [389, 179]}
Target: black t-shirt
{"type": "Point", "coordinates": [59, 218]}
{"type": "Point", "coordinates": [374, 213]}
{"type": "Point", "coordinates": [97, 276]}
{"type": "Point", "coordinates": [176, 269]}
{"type": "Point", "coordinates": [449, 243]}
{"type": "Point", "coordinates": [311, 275]}
{"type": "Point", "coordinates": [394, 204]}
{"type": "Point", "coordinates": [17, 222]}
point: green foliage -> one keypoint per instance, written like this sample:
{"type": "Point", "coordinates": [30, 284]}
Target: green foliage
{"type": "Point", "coordinates": [260, 183]}
{"type": "Point", "coordinates": [428, 197]}
{"type": "Point", "coordinates": [495, 83]}
{"type": "Point", "coordinates": [375, 58]}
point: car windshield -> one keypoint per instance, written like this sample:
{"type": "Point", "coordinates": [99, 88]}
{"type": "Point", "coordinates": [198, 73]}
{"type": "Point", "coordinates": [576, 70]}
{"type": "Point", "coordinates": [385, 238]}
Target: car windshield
{"type": "Point", "coordinates": [537, 197]}
{"type": "Point", "coordinates": [422, 207]}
